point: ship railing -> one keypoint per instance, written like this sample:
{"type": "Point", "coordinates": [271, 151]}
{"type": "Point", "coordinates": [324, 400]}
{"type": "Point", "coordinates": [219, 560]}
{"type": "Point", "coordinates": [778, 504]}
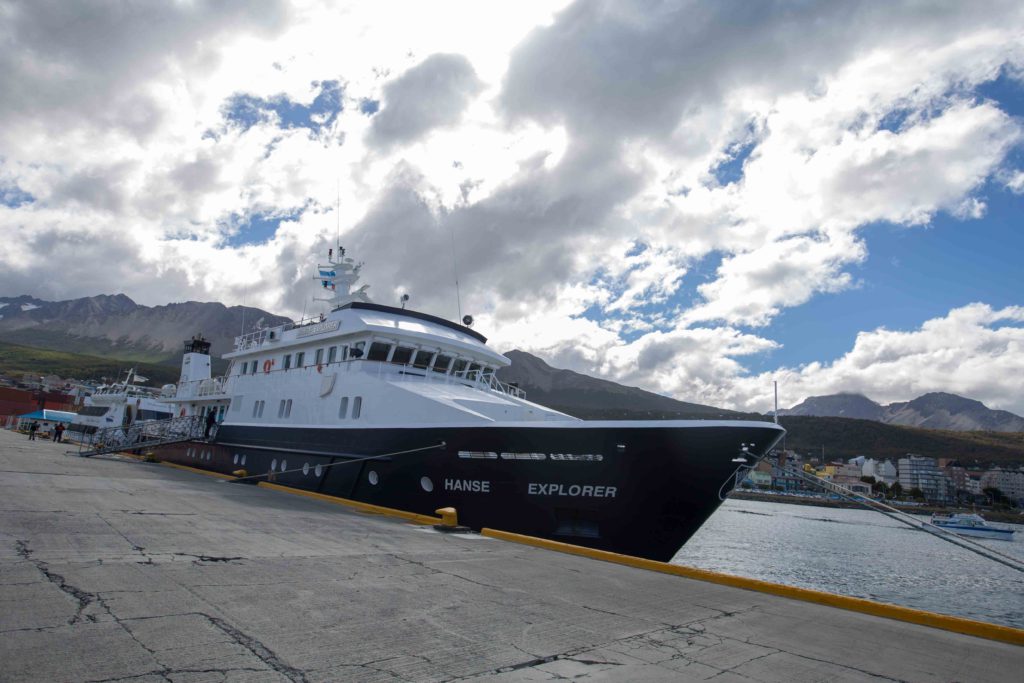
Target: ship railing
{"type": "Point", "coordinates": [412, 373]}
{"type": "Point", "coordinates": [145, 434]}
{"type": "Point", "coordinates": [204, 388]}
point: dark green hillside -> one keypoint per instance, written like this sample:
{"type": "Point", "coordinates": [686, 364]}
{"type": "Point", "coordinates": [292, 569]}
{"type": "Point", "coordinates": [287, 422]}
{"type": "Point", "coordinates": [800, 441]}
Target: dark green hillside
{"type": "Point", "coordinates": [16, 360]}
{"type": "Point", "coordinates": [846, 438]}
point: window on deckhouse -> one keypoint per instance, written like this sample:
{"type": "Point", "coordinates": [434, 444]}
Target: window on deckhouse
{"type": "Point", "coordinates": [402, 355]}
{"type": "Point", "coordinates": [319, 358]}
{"type": "Point", "coordinates": [441, 363]}
{"type": "Point", "coordinates": [287, 361]}
{"type": "Point", "coordinates": [422, 360]}
{"type": "Point", "coordinates": [459, 366]}
{"type": "Point", "coordinates": [300, 359]}
{"type": "Point", "coordinates": [332, 354]}
{"type": "Point", "coordinates": [378, 351]}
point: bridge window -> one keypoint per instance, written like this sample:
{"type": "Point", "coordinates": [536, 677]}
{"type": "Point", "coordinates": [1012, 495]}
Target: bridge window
{"type": "Point", "coordinates": [378, 351]}
{"type": "Point", "coordinates": [422, 360]}
{"type": "Point", "coordinates": [459, 367]}
{"type": "Point", "coordinates": [343, 410]}
{"type": "Point", "coordinates": [300, 359]}
{"type": "Point", "coordinates": [357, 407]}
{"type": "Point", "coordinates": [252, 371]}
{"type": "Point", "coordinates": [287, 361]}
{"type": "Point", "coordinates": [473, 371]}
{"type": "Point", "coordinates": [332, 354]}
{"type": "Point", "coordinates": [319, 358]}
{"type": "Point", "coordinates": [442, 363]}
{"type": "Point", "coordinates": [357, 350]}
{"type": "Point", "coordinates": [402, 355]}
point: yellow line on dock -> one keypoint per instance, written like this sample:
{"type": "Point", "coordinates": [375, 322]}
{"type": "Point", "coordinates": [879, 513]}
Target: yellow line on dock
{"type": "Point", "coordinates": [969, 627]}
{"type": "Point", "coordinates": [186, 468]}
{"type": "Point", "coordinates": [363, 507]}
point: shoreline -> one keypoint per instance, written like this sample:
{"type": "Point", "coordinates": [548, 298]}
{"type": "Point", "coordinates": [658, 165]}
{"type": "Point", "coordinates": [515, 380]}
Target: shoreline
{"type": "Point", "coordinates": [989, 515]}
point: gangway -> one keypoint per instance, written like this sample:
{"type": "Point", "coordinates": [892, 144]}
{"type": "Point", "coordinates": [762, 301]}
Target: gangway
{"type": "Point", "coordinates": [144, 435]}
{"type": "Point", "coordinates": [907, 518]}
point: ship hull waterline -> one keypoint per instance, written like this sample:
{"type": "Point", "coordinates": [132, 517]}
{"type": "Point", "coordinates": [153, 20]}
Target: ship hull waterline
{"type": "Point", "coordinates": [635, 490]}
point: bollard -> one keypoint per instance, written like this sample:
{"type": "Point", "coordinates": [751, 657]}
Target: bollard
{"type": "Point", "coordinates": [450, 521]}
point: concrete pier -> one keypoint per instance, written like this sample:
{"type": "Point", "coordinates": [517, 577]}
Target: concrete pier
{"type": "Point", "coordinates": [119, 570]}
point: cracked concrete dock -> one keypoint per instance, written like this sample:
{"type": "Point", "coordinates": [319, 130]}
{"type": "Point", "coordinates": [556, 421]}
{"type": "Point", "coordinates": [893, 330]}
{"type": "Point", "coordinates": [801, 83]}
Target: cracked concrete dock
{"type": "Point", "coordinates": [119, 570]}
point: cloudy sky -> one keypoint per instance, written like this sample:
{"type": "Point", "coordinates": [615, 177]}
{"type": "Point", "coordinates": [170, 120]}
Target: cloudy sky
{"type": "Point", "coordinates": [694, 198]}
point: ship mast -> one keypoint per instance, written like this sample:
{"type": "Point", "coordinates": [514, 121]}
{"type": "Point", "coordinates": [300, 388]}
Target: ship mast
{"type": "Point", "coordinates": [338, 279]}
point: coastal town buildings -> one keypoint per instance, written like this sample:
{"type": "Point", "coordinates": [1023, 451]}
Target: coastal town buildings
{"type": "Point", "coordinates": [923, 474]}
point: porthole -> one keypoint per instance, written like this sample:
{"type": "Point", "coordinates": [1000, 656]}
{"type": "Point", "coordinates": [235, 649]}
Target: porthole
{"type": "Point", "coordinates": [318, 471]}
{"type": "Point", "coordinates": [427, 485]}
{"type": "Point", "coordinates": [373, 478]}
{"type": "Point", "coordinates": [236, 458]}
{"type": "Point", "coordinates": [273, 464]}
{"type": "Point", "coordinates": [305, 469]}
{"type": "Point", "coordinates": [243, 459]}
{"type": "Point", "coordinates": [284, 465]}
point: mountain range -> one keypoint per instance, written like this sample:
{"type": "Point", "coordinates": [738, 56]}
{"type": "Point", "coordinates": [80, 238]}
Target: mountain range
{"type": "Point", "coordinates": [115, 327]}
{"type": "Point", "coordinates": [936, 410]}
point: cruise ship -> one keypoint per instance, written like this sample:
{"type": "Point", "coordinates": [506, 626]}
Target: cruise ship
{"type": "Point", "coordinates": [404, 409]}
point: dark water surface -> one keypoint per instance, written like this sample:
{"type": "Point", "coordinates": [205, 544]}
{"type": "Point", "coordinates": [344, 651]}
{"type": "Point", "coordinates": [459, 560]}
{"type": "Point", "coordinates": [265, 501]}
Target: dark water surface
{"type": "Point", "coordinates": [859, 553]}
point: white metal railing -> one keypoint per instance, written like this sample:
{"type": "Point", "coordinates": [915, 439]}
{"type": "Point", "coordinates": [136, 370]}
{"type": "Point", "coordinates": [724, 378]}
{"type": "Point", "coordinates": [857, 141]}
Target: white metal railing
{"type": "Point", "coordinates": [411, 373]}
{"type": "Point", "coordinates": [205, 388]}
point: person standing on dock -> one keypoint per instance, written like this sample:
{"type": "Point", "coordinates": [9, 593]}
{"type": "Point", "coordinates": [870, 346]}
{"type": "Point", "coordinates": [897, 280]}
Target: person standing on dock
{"type": "Point", "coordinates": [211, 419]}
{"type": "Point", "coordinates": [58, 433]}
{"type": "Point", "coordinates": [32, 429]}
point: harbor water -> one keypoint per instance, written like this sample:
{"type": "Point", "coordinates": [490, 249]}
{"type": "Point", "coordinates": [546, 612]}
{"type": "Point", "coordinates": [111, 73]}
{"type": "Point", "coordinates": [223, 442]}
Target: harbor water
{"type": "Point", "coordinates": [860, 553]}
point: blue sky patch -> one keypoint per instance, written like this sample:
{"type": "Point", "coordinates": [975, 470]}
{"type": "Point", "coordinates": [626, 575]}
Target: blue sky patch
{"type": "Point", "coordinates": [13, 196]}
{"type": "Point", "coordinates": [369, 107]}
{"type": "Point", "coordinates": [245, 111]}
{"type": "Point", "coordinates": [731, 170]}
{"type": "Point", "coordinates": [257, 228]}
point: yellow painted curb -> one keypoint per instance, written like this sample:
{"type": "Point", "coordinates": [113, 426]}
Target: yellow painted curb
{"type": "Point", "coordinates": [186, 468]}
{"type": "Point", "coordinates": [981, 629]}
{"type": "Point", "coordinates": [363, 507]}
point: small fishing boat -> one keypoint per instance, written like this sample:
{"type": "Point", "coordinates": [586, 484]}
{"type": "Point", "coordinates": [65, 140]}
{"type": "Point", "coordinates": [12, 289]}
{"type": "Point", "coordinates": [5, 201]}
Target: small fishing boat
{"type": "Point", "coordinates": [966, 524]}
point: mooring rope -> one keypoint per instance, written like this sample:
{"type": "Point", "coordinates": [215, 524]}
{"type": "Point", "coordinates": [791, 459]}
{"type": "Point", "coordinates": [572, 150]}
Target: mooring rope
{"type": "Point", "coordinates": [342, 462]}
{"type": "Point", "coordinates": [911, 521]}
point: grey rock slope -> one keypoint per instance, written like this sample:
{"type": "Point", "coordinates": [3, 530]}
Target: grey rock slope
{"type": "Point", "coordinates": [853, 406]}
{"type": "Point", "coordinates": [592, 398]}
{"type": "Point", "coordinates": [117, 327]}
{"type": "Point", "coordinates": [931, 411]}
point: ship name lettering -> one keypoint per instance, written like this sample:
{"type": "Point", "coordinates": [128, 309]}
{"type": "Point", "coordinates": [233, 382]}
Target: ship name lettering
{"type": "Point", "coordinates": [572, 490]}
{"type": "Point", "coordinates": [472, 485]}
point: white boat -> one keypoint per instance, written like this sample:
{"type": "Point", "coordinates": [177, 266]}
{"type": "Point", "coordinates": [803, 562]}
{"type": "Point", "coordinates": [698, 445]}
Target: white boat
{"type": "Point", "coordinates": [120, 404]}
{"type": "Point", "coordinates": [967, 524]}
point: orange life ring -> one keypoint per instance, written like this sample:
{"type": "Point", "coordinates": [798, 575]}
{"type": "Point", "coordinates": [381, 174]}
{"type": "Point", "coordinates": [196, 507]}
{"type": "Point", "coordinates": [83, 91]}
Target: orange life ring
{"type": "Point", "coordinates": [267, 364]}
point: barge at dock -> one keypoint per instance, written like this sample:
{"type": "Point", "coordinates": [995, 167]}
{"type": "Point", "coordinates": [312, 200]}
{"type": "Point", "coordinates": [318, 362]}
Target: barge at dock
{"type": "Point", "coordinates": [403, 409]}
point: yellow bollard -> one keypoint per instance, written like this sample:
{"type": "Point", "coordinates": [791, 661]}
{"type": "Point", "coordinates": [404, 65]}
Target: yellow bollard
{"type": "Point", "coordinates": [449, 517]}
{"type": "Point", "coordinates": [240, 473]}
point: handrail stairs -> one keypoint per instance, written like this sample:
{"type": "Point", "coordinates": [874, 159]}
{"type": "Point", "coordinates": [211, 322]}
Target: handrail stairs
{"type": "Point", "coordinates": [143, 435]}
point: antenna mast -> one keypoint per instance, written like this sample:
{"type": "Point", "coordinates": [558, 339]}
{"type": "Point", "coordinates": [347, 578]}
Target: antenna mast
{"type": "Point", "coordinates": [776, 413]}
{"type": "Point", "coordinates": [455, 270]}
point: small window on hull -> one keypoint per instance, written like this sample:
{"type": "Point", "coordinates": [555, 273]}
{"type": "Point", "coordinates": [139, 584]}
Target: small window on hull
{"type": "Point", "coordinates": [343, 410]}
{"type": "Point", "coordinates": [357, 407]}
